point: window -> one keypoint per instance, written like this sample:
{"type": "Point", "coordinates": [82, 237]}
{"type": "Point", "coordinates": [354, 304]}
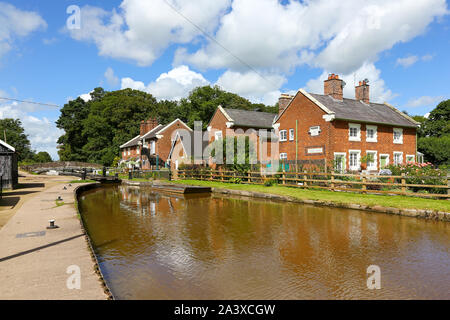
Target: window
{"type": "Point", "coordinates": [137, 151]}
{"type": "Point", "coordinates": [314, 131]}
{"type": "Point", "coordinates": [398, 158]}
{"type": "Point", "coordinates": [371, 160]}
{"type": "Point", "coordinates": [152, 147]}
{"type": "Point", "coordinates": [354, 159]}
{"type": "Point", "coordinates": [398, 135]}
{"type": "Point", "coordinates": [218, 135]}
{"type": "Point", "coordinates": [339, 162]}
{"type": "Point", "coordinates": [384, 161]}
{"type": "Point", "coordinates": [129, 151]}
{"type": "Point", "coordinates": [283, 156]}
{"type": "Point", "coordinates": [291, 134]}
{"type": "Point", "coordinates": [283, 135]}
{"type": "Point", "coordinates": [371, 133]}
{"type": "Point", "coordinates": [354, 132]}
{"type": "Point", "coordinates": [410, 158]}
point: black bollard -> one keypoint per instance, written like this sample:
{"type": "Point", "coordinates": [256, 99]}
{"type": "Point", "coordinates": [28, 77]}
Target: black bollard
{"type": "Point", "coordinates": [83, 175]}
{"type": "Point", "coordinates": [130, 175]}
{"type": "Point", "coordinates": [104, 171]}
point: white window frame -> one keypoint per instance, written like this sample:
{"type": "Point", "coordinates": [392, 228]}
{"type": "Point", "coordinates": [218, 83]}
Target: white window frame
{"type": "Point", "coordinates": [314, 131]}
{"type": "Point", "coordinates": [283, 132]}
{"type": "Point", "coordinates": [399, 130]}
{"type": "Point", "coordinates": [137, 151]}
{"type": "Point", "coordinates": [375, 160]}
{"type": "Point", "coordinates": [401, 160]}
{"type": "Point", "coordinates": [218, 135]}
{"type": "Point", "coordinates": [356, 126]}
{"type": "Point", "coordinates": [152, 147]}
{"type": "Point", "coordinates": [129, 151]}
{"type": "Point", "coordinates": [375, 133]}
{"type": "Point", "coordinates": [283, 156]}
{"type": "Point", "coordinates": [291, 134]}
{"type": "Point", "coordinates": [387, 159]}
{"type": "Point", "coordinates": [410, 155]}
{"type": "Point", "coordinates": [358, 160]}
{"type": "Point", "coordinates": [345, 159]}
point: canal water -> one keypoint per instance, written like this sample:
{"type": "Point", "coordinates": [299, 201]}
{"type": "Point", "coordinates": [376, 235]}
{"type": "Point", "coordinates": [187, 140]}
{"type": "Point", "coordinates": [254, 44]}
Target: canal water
{"type": "Point", "coordinates": [158, 246]}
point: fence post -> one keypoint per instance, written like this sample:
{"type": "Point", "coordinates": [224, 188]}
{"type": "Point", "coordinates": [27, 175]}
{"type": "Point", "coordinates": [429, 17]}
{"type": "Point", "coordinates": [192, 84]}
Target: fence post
{"type": "Point", "coordinates": [305, 177]}
{"type": "Point", "coordinates": [284, 175]}
{"type": "Point", "coordinates": [249, 177]}
{"type": "Point", "coordinates": [448, 184]}
{"type": "Point", "coordinates": [364, 186]}
{"type": "Point", "coordinates": [221, 174]}
{"type": "Point", "coordinates": [332, 180]}
{"type": "Point", "coordinates": [403, 183]}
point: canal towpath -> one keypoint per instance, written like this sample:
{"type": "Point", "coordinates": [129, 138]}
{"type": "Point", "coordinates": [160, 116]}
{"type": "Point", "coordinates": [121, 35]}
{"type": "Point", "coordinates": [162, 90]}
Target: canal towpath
{"type": "Point", "coordinates": [44, 264]}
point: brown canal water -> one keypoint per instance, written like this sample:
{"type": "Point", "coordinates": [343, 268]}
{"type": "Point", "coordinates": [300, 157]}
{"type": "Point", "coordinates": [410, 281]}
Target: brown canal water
{"type": "Point", "coordinates": [158, 246]}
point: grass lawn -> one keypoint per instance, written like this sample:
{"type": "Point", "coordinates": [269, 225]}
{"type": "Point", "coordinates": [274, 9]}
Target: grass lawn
{"type": "Point", "coordinates": [338, 197]}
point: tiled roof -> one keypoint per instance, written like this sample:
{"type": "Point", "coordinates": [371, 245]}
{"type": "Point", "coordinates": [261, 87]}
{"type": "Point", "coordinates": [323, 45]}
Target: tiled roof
{"type": "Point", "coordinates": [250, 119]}
{"type": "Point", "coordinates": [354, 110]}
{"type": "Point", "coordinates": [133, 142]}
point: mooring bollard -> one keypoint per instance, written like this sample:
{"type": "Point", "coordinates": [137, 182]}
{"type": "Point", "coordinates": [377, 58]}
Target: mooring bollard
{"type": "Point", "coordinates": [52, 224]}
{"type": "Point", "coordinates": [83, 175]}
{"type": "Point", "coordinates": [104, 171]}
{"type": "Point", "coordinates": [130, 175]}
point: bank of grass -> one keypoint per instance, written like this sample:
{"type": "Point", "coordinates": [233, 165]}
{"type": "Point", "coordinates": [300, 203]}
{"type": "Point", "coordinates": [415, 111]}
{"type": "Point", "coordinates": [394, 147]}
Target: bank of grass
{"type": "Point", "coordinates": [337, 197]}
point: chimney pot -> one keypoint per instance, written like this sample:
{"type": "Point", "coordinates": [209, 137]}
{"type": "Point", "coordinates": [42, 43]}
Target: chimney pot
{"type": "Point", "coordinates": [362, 92]}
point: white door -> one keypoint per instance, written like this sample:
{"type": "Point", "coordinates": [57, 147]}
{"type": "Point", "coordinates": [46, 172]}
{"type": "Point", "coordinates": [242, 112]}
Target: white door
{"type": "Point", "coordinates": [176, 164]}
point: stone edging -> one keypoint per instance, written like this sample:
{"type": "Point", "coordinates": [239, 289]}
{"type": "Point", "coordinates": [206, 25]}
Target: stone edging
{"type": "Point", "coordinates": [97, 269]}
{"type": "Point", "coordinates": [418, 213]}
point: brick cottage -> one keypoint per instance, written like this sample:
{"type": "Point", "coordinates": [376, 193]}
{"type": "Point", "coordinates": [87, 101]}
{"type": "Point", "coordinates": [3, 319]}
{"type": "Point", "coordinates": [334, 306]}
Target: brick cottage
{"type": "Point", "coordinates": [152, 146]}
{"type": "Point", "coordinates": [333, 130]}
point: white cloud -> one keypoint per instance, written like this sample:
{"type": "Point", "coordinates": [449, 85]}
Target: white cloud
{"type": "Point", "coordinates": [173, 85]}
{"type": "Point", "coordinates": [42, 132]}
{"type": "Point", "coordinates": [378, 91]}
{"type": "Point", "coordinates": [255, 87]}
{"type": "Point", "coordinates": [335, 35]}
{"type": "Point", "coordinates": [141, 30]}
{"type": "Point", "coordinates": [86, 97]}
{"type": "Point", "coordinates": [111, 78]}
{"type": "Point", "coordinates": [407, 61]}
{"type": "Point", "coordinates": [424, 101]}
{"type": "Point", "coordinates": [16, 23]}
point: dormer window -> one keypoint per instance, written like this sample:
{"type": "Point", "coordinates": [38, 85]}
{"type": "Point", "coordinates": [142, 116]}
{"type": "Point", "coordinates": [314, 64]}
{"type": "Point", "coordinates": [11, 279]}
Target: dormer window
{"type": "Point", "coordinates": [354, 132]}
{"type": "Point", "coordinates": [398, 135]}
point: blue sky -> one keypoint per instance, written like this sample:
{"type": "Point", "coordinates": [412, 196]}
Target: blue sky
{"type": "Point", "coordinates": [266, 47]}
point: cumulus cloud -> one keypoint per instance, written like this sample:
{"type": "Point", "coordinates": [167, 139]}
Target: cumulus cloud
{"type": "Point", "coordinates": [111, 78]}
{"type": "Point", "coordinates": [173, 85]}
{"type": "Point", "coordinates": [253, 86]}
{"type": "Point", "coordinates": [334, 35]}
{"type": "Point", "coordinates": [16, 23]}
{"type": "Point", "coordinates": [141, 30]}
{"type": "Point", "coordinates": [42, 132]}
{"type": "Point", "coordinates": [424, 101]}
{"type": "Point", "coordinates": [378, 91]}
{"type": "Point", "coordinates": [410, 60]}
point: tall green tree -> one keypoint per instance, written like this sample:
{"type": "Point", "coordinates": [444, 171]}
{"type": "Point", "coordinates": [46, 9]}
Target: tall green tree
{"type": "Point", "coordinates": [434, 134]}
{"type": "Point", "coordinates": [16, 137]}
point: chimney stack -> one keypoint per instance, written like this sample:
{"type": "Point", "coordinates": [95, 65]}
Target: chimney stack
{"type": "Point", "coordinates": [148, 125]}
{"type": "Point", "coordinates": [283, 102]}
{"type": "Point", "coordinates": [334, 87]}
{"type": "Point", "coordinates": [362, 91]}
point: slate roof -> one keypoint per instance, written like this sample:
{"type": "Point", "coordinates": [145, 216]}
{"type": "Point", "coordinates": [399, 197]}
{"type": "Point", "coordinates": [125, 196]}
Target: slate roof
{"type": "Point", "coordinates": [7, 146]}
{"type": "Point", "coordinates": [133, 142]}
{"type": "Point", "coordinates": [350, 109]}
{"type": "Point", "coordinates": [251, 119]}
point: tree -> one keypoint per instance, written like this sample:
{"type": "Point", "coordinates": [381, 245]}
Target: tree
{"type": "Point", "coordinates": [16, 137]}
{"type": "Point", "coordinates": [434, 133]}
{"type": "Point", "coordinates": [42, 157]}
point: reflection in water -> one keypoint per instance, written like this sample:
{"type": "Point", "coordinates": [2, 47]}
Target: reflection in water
{"type": "Point", "coordinates": [157, 246]}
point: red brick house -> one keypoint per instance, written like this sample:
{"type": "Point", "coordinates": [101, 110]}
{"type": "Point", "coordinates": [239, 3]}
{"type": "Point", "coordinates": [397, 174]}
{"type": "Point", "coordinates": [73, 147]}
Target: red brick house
{"type": "Point", "coordinates": [152, 146]}
{"type": "Point", "coordinates": [236, 122]}
{"type": "Point", "coordinates": [183, 150]}
{"type": "Point", "coordinates": [333, 130]}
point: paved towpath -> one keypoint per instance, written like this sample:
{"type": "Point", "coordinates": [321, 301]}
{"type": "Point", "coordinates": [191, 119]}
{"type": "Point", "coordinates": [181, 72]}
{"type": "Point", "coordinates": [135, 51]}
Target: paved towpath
{"type": "Point", "coordinates": [34, 260]}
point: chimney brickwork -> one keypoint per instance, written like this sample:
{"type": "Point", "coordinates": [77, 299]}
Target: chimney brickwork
{"type": "Point", "coordinates": [362, 92]}
{"type": "Point", "coordinates": [334, 87]}
{"type": "Point", "coordinates": [283, 102]}
{"type": "Point", "coordinates": [148, 125]}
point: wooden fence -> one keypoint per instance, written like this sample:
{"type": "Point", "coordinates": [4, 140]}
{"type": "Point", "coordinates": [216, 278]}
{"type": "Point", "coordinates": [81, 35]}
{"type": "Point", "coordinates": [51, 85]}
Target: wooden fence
{"type": "Point", "coordinates": [376, 184]}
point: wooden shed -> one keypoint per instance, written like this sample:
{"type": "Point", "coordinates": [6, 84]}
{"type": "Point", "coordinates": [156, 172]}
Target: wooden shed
{"type": "Point", "coordinates": [8, 166]}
